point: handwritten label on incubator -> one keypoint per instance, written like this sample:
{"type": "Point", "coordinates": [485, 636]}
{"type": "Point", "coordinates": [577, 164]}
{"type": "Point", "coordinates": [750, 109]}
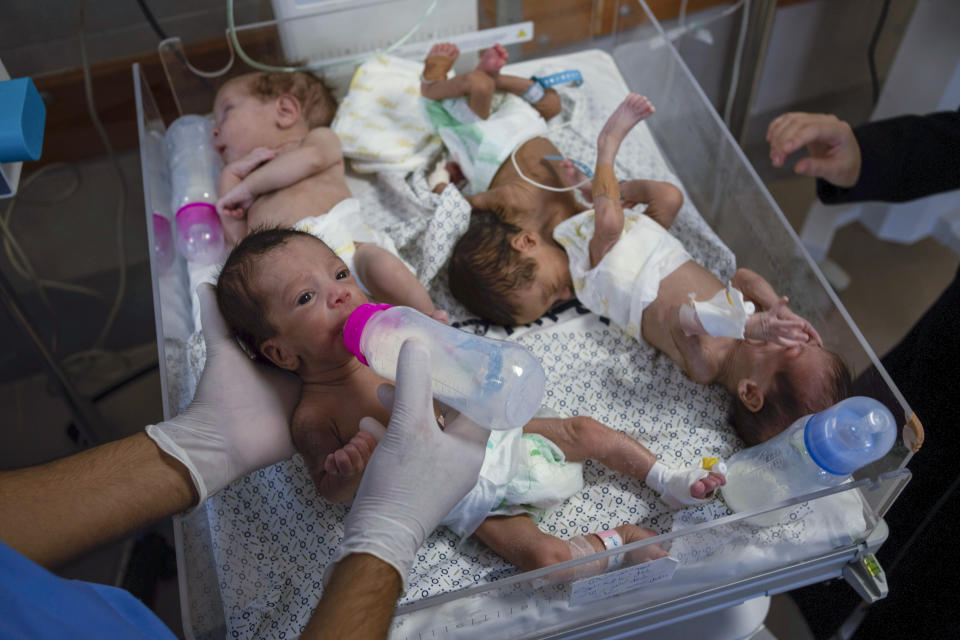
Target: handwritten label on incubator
{"type": "Point", "coordinates": [623, 580]}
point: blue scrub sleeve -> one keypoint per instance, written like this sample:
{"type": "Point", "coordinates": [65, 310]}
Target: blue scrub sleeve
{"type": "Point", "coordinates": [35, 603]}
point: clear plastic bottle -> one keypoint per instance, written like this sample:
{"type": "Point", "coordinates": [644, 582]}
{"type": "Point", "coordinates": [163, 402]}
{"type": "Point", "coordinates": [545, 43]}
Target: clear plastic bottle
{"type": "Point", "coordinates": [496, 383]}
{"type": "Point", "coordinates": [194, 171]}
{"type": "Point", "coordinates": [158, 181]}
{"type": "Point", "coordinates": [817, 451]}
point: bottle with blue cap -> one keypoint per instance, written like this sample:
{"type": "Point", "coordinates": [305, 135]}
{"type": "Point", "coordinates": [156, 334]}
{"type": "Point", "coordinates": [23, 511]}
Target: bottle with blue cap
{"type": "Point", "coordinates": [816, 452]}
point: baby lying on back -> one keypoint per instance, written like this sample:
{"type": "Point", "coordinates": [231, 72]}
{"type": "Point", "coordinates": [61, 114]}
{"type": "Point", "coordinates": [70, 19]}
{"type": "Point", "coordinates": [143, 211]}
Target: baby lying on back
{"type": "Point", "coordinates": [626, 266]}
{"type": "Point", "coordinates": [284, 168]}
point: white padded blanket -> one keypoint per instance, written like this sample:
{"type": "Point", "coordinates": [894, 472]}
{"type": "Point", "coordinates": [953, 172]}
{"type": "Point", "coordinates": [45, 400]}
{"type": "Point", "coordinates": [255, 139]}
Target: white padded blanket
{"type": "Point", "coordinates": [260, 546]}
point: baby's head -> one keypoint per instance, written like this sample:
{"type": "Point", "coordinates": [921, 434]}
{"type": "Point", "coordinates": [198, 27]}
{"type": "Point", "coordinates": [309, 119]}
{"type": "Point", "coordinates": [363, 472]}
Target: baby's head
{"type": "Point", "coordinates": [286, 296]}
{"type": "Point", "coordinates": [781, 384]}
{"type": "Point", "coordinates": [269, 109]}
{"type": "Point", "coordinates": [506, 274]}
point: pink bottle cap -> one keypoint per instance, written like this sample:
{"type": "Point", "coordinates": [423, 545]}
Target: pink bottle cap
{"type": "Point", "coordinates": [196, 212]}
{"type": "Point", "coordinates": [353, 327]}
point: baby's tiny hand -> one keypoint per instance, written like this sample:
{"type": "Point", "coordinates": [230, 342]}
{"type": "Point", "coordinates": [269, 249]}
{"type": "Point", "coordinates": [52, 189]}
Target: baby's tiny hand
{"type": "Point", "coordinates": [781, 310]}
{"type": "Point", "coordinates": [352, 458]}
{"type": "Point", "coordinates": [769, 327]}
{"type": "Point", "coordinates": [441, 316]}
{"type": "Point", "coordinates": [235, 202]}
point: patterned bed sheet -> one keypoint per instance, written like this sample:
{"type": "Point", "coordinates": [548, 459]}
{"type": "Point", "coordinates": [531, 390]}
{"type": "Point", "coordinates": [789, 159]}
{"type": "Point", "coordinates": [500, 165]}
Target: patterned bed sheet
{"type": "Point", "coordinates": [255, 553]}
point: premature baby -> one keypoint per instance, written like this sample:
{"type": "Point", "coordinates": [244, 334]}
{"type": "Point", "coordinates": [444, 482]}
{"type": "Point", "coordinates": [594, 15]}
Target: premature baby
{"type": "Point", "coordinates": [286, 295]}
{"type": "Point", "coordinates": [284, 167]}
{"type": "Point", "coordinates": [625, 265]}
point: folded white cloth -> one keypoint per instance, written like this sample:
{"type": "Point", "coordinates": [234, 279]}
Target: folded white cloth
{"type": "Point", "coordinates": [380, 122]}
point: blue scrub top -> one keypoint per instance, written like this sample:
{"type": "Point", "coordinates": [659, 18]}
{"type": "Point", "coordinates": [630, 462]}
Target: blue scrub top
{"type": "Point", "coordinates": [36, 604]}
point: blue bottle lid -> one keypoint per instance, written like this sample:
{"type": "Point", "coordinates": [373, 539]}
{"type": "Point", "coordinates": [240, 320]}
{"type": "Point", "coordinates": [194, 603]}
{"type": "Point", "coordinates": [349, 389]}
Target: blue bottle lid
{"type": "Point", "coordinates": [22, 116]}
{"type": "Point", "coordinates": [850, 435]}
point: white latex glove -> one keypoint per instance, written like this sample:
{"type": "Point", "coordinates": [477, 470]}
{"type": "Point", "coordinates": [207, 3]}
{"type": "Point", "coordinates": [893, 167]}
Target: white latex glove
{"type": "Point", "coordinates": [417, 472]}
{"type": "Point", "coordinates": [239, 419]}
{"type": "Point", "coordinates": [673, 485]}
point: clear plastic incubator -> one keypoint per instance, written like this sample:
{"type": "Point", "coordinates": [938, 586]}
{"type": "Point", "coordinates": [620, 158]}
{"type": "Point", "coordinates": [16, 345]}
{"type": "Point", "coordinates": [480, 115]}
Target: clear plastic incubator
{"type": "Point", "coordinates": [250, 559]}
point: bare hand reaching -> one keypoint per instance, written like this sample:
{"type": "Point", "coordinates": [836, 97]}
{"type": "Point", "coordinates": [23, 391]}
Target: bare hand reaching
{"type": "Point", "coordinates": [834, 152]}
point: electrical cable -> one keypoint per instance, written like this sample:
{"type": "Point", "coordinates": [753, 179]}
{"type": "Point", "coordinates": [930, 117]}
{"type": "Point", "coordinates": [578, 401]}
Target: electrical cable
{"type": "Point", "coordinates": [737, 60]}
{"type": "Point", "coordinates": [683, 28]}
{"type": "Point", "coordinates": [152, 20]}
{"type": "Point", "coordinates": [872, 51]}
{"type": "Point", "coordinates": [122, 197]}
{"type": "Point", "coordinates": [513, 159]}
{"type": "Point", "coordinates": [318, 66]}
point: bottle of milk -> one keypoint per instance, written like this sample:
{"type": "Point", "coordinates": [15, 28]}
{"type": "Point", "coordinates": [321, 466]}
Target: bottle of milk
{"type": "Point", "coordinates": [817, 451]}
{"type": "Point", "coordinates": [496, 383]}
{"type": "Point", "coordinates": [194, 171]}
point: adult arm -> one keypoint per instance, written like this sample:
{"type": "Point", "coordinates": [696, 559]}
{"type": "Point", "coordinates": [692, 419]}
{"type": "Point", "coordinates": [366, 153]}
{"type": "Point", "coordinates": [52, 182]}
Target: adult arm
{"type": "Point", "coordinates": [416, 475]}
{"type": "Point", "coordinates": [357, 602]}
{"type": "Point", "coordinates": [902, 159]}
{"type": "Point", "coordinates": [53, 512]}
{"type": "Point", "coordinates": [237, 422]}
{"type": "Point", "coordinates": [891, 160]}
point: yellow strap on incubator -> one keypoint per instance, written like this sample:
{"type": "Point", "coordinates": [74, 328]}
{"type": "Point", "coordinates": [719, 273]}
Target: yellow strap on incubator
{"type": "Point", "coordinates": [709, 462]}
{"type": "Point", "coordinates": [605, 182]}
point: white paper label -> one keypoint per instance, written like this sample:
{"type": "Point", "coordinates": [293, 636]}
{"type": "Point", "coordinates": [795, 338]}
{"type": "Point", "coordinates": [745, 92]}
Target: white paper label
{"type": "Point", "coordinates": [622, 580]}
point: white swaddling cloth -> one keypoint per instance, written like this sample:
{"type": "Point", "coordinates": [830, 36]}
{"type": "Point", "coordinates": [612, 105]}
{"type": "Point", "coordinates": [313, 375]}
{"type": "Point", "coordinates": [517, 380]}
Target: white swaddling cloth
{"type": "Point", "coordinates": [627, 279]}
{"type": "Point", "coordinates": [521, 473]}
{"type": "Point", "coordinates": [341, 228]}
{"type": "Point", "coordinates": [724, 315]}
{"type": "Point", "coordinates": [380, 122]}
{"type": "Point", "coordinates": [481, 146]}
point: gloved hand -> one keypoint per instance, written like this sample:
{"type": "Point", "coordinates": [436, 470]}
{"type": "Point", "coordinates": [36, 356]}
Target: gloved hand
{"type": "Point", "coordinates": [417, 472]}
{"type": "Point", "coordinates": [239, 420]}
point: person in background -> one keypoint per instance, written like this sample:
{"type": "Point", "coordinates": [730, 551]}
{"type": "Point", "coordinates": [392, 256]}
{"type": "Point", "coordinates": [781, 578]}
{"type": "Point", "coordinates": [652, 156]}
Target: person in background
{"type": "Point", "coordinates": [897, 160]}
{"type": "Point", "coordinates": [238, 422]}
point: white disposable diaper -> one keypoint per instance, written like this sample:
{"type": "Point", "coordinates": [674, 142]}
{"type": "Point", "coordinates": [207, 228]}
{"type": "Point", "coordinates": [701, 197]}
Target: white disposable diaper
{"type": "Point", "coordinates": [521, 473]}
{"type": "Point", "coordinates": [481, 146]}
{"type": "Point", "coordinates": [342, 227]}
{"type": "Point", "coordinates": [628, 277]}
{"type": "Point", "coordinates": [380, 123]}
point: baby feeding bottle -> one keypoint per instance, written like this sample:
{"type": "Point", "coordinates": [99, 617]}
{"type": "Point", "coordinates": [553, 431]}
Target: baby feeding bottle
{"type": "Point", "coordinates": [496, 383]}
{"type": "Point", "coordinates": [194, 170]}
{"type": "Point", "coordinates": [159, 185]}
{"type": "Point", "coordinates": [815, 452]}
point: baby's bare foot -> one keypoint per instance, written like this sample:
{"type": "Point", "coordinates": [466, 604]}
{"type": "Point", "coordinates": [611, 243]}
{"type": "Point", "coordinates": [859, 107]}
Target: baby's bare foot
{"type": "Point", "coordinates": [493, 59]}
{"type": "Point", "coordinates": [631, 111]}
{"type": "Point", "coordinates": [439, 61]}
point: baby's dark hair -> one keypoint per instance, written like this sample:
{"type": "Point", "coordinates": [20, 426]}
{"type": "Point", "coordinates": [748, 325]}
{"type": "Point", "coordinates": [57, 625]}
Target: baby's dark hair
{"type": "Point", "coordinates": [242, 306]}
{"type": "Point", "coordinates": [316, 98]}
{"type": "Point", "coordinates": [484, 268]}
{"type": "Point", "coordinates": [785, 402]}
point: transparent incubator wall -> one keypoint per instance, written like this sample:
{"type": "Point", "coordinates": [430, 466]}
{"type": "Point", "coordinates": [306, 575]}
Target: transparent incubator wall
{"type": "Point", "coordinates": [729, 195]}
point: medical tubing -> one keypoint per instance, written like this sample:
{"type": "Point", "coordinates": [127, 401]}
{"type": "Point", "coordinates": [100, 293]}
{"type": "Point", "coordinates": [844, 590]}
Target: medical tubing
{"type": "Point", "coordinates": [122, 196]}
{"type": "Point", "coordinates": [316, 66]}
{"type": "Point", "coordinates": [516, 166]}
{"type": "Point", "coordinates": [738, 57]}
